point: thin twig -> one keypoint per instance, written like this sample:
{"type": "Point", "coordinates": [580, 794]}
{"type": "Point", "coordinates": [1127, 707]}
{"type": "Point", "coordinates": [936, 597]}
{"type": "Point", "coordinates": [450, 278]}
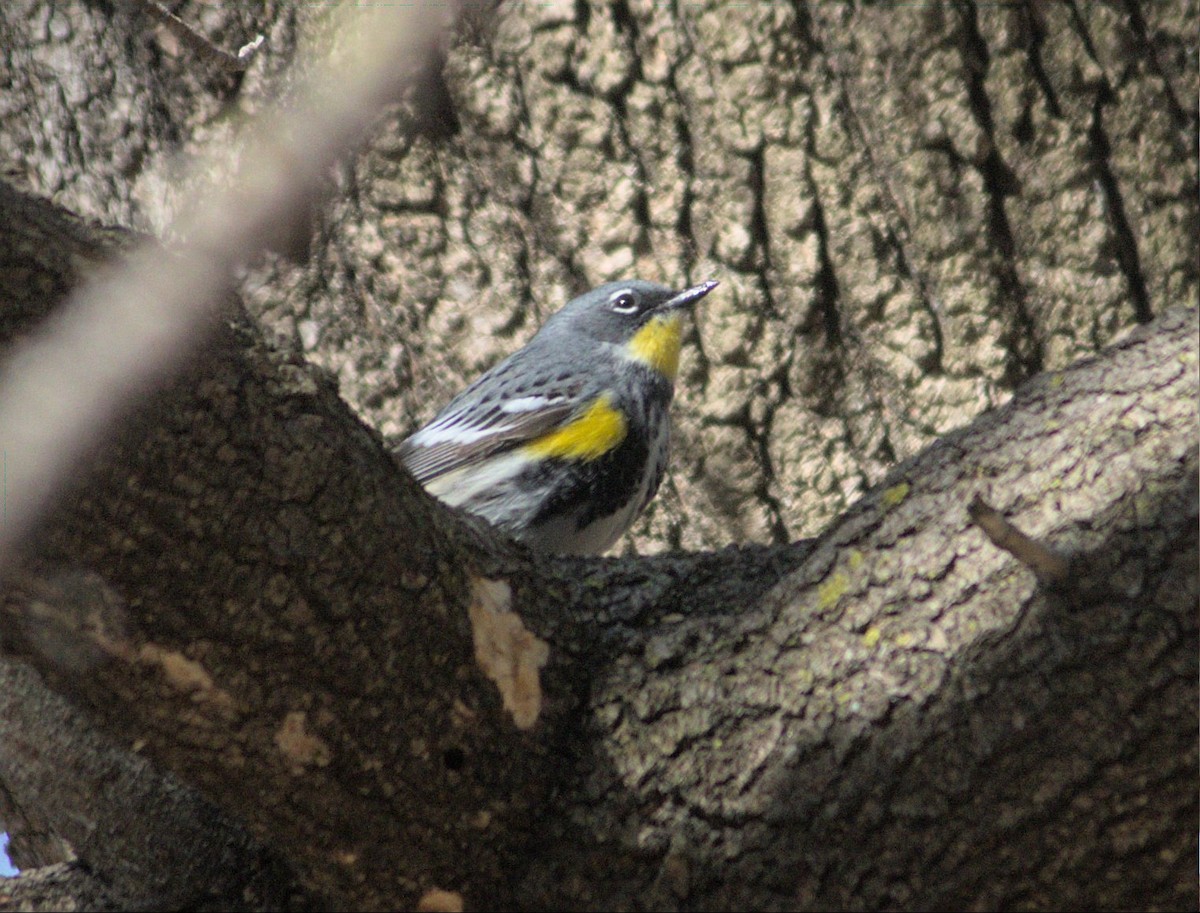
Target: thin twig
{"type": "Point", "coordinates": [65, 388]}
{"type": "Point", "coordinates": [1049, 567]}
{"type": "Point", "coordinates": [201, 46]}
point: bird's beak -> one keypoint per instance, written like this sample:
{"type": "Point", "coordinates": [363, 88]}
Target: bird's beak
{"type": "Point", "coordinates": [689, 296]}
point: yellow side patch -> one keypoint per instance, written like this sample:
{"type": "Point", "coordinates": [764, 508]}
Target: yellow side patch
{"type": "Point", "coordinates": [594, 433]}
{"type": "Point", "coordinates": [657, 344]}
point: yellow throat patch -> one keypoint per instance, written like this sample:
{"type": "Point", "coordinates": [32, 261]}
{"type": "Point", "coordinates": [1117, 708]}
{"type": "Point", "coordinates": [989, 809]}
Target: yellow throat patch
{"type": "Point", "coordinates": [657, 344]}
{"type": "Point", "coordinates": [592, 434]}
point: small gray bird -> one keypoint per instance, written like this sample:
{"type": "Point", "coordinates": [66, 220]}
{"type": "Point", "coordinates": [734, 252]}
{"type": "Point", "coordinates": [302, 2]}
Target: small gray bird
{"type": "Point", "coordinates": [565, 442]}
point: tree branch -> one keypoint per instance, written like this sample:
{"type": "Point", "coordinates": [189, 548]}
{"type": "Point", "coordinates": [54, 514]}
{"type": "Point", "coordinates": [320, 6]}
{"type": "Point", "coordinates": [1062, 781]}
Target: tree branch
{"type": "Point", "coordinates": [68, 385]}
{"type": "Point", "coordinates": [250, 591]}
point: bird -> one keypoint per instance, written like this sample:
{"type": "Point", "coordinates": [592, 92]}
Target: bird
{"type": "Point", "coordinates": [564, 443]}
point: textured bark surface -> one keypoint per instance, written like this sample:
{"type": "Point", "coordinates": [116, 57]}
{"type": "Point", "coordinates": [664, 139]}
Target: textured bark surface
{"type": "Point", "coordinates": [908, 709]}
{"type": "Point", "coordinates": [300, 543]}
{"type": "Point", "coordinates": [261, 641]}
{"type": "Point", "coordinates": [911, 208]}
{"type": "Point", "coordinates": [138, 839]}
{"type": "Point", "coordinates": [894, 714]}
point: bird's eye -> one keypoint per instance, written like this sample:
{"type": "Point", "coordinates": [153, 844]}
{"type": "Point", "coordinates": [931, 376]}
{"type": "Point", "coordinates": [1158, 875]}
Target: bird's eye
{"type": "Point", "coordinates": [625, 303]}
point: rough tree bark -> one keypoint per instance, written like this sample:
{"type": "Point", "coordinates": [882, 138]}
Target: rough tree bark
{"type": "Point", "coordinates": [248, 661]}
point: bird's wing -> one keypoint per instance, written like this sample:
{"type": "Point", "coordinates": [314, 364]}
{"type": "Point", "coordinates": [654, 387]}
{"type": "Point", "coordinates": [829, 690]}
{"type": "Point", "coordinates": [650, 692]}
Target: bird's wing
{"type": "Point", "coordinates": [469, 433]}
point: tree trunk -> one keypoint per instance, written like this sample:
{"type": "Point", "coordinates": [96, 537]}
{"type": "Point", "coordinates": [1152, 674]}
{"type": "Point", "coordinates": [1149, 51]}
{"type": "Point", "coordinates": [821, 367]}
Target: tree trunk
{"type": "Point", "coordinates": [248, 661]}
